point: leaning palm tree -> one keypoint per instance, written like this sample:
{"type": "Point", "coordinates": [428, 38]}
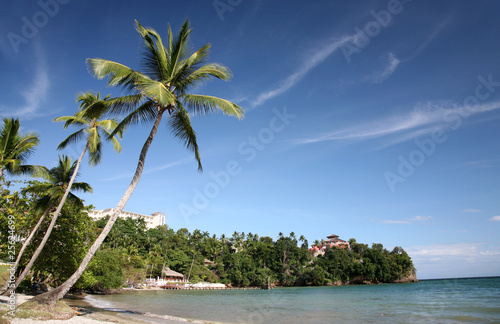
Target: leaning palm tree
{"type": "Point", "coordinates": [15, 148]}
{"type": "Point", "coordinates": [93, 129]}
{"type": "Point", "coordinates": [164, 86]}
{"type": "Point", "coordinates": [58, 180]}
{"type": "Point", "coordinates": [43, 206]}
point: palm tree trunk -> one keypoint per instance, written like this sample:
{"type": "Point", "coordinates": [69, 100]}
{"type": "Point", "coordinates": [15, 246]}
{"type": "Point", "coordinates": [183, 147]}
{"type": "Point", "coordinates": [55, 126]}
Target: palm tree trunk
{"type": "Point", "coordinates": [51, 225]}
{"type": "Point", "coordinates": [54, 295]}
{"type": "Point", "coordinates": [25, 244]}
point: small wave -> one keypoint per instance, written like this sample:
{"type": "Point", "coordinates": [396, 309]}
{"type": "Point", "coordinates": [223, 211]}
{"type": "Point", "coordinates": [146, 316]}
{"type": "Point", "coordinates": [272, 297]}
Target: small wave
{"type": "Point", "coordinates": [180, 319]}
{"type": "Point", "coordinates": [106, 305]}
{"type": "Point", "coordinates": [99, 303]}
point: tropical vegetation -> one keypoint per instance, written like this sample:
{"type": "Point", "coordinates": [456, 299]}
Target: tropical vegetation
{"type": "Point", "coordinates": [131, 253]}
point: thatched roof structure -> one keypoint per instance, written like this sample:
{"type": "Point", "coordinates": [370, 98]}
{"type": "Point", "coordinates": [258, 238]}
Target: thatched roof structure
{"type": "Point", "coordinates": [167, 272]}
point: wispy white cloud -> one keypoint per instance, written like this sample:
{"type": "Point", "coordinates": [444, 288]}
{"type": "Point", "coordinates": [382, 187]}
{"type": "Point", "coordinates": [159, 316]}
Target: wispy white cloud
{"type": "Point", "coordinates": [495, 219]}
{"type": "Point", "coordinates": [420, 218]}
{"type": "Point", "coordinates": [408, 220]}
{"type": "Point", "coordinates": [440, 260]}
{"type": "Point", "coordinates": [33, 94]}
{"type": "Point", "coordinates": [470, 210]}
{"type": "Point", "coordinates": [306, 66]}
{"type": "Point", "coordinates": [453, 249]}
{"type": "Point", "coordinates": [396, 222]}
{"type": "Point", "coordinates": [381, 75]}
{"type": "Point", "coordinates": [483, 163]}
{"type": "Point", "coordinates": [152, 170]}
{"type": "Point", "coordinates": [435, 32]}
{"type": "Point", "coordinates": [324, 52]}
{"type": "Point", "coordinates": [423, 119]}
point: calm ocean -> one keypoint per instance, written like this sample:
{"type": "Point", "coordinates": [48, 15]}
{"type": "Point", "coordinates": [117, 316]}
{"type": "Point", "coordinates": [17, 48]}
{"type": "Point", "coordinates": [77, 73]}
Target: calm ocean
{"type": "Point", "coordinates": [475, 300]}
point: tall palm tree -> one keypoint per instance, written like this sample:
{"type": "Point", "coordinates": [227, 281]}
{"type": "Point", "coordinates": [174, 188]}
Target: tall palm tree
{"type": "Point", "coordinates": [15, 148]}
{"type": "Point", "coordinates": [94, 130]}
{"type": "Point", "coordinates": [58, 181]}
{"type": "Point", "coordinates": [164, 86]}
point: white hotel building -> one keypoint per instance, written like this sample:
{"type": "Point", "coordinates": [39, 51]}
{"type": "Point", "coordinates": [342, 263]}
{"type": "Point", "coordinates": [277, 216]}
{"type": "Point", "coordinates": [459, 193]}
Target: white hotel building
{"type": "Point", "coordinates": [152, 220]}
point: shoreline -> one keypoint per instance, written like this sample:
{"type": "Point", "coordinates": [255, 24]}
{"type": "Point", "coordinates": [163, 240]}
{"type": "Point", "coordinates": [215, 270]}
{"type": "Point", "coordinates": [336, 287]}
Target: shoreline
{"type": "Point", "coordinates": [90, 314]}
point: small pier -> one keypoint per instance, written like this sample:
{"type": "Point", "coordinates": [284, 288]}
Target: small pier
{"type": "Point", "coordinates": [183, 287]}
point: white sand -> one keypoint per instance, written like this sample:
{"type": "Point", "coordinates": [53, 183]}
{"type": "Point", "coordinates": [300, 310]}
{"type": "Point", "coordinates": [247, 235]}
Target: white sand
{"type": "Point", "coordinates": [74, 320]}
{"type": "Point", "coordinates": [20, 298]}
{"type": "Point", "coordinates": [95, 317]}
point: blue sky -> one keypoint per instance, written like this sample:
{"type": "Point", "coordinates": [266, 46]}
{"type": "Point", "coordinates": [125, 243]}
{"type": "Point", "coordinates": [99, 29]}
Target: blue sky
{"type": "Point", "coordinates": [375, 120]}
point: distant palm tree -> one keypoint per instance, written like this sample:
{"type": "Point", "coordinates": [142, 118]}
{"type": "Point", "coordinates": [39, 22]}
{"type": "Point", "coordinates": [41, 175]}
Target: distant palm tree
{"type": "Point", "coordinates": [56, 186]}
{"type": "Point", "coordinates": [163, 87]}
{"type": "Point", "coordinates": [15, 148]}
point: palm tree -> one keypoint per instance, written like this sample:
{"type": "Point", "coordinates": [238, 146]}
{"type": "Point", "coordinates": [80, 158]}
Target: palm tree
{"type": "Point", "coordinates": [164, 86]}
{"type": "Point", "coordinates": [15, 148]}
{"type": "Point", "coordinates": [42, 205]}
{"type": "Point", "coordinates": [94, 130]}
{"type": "Point", "coordinates": [58, 180]}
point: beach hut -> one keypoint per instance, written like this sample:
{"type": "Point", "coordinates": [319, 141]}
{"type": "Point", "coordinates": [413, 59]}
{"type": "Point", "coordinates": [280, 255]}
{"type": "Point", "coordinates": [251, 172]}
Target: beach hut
{"type": "Point", "coordinates": [171, 275]}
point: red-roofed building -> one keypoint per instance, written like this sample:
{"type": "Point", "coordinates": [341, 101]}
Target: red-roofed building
{"type": "Point", "coordinates": [331, 241]}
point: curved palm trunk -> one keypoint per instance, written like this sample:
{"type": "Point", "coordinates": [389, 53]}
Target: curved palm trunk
{"type": "Point", "coordinates": [25, 244]}
{"type": "Point", "coordinates": [54, 295]}
{"type": "Point", "coordinates": [51, 225]}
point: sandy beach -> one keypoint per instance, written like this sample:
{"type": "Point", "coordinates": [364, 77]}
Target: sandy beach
{"type": "Point", "coordinates": [88, 314]}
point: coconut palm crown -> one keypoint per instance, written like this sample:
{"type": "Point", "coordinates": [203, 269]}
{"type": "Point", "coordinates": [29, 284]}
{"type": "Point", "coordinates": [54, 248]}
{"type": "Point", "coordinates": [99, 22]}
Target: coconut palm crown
{"type": "Point", "coordinates": [16, 148]}
{"type": "Point", "coordinates": [169, 73]}
{"type": "Point", "coordinates": [93, 128]}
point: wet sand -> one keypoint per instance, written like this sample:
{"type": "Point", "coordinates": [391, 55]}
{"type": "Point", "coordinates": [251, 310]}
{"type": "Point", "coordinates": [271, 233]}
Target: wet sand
{"type": "Point", "coordinates": [88, 314]}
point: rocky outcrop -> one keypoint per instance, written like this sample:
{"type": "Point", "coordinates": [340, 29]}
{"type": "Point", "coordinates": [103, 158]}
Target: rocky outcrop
{"type": "Point", "coordinates": [412, 277]}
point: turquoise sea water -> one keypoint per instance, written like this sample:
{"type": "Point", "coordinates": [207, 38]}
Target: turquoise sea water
{"type": "Point", "coordinates": [475, 300]}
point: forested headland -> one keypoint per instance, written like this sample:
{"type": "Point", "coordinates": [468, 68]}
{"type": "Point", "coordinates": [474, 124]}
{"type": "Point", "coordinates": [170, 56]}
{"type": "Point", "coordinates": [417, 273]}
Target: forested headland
{"type": "Point", "coordinates": [131, 253]}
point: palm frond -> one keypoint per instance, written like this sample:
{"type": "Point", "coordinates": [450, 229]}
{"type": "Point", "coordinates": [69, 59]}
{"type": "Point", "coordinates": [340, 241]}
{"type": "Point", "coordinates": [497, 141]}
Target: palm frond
{"type": "Point", "coordinates": [77, 120]}
{"type": "Point", "coordinates": [15, 148]}
{"type": "Point", "coordinates": [144, 113]}
{"type": "Point", "coordinates": [118, 74]}
{"type": "Point", "coordinates": [94, 146]}
{"type": "Point", "coordinates": [180, 124]}
{"type": "Point", "coordinates": [35, 171]}
{"type": "Point", "coordinates": [202, 104]}
{"type": "Point", "coordinates": [81, 186]}
{"type": "Point", "coordinates": [114, 106]}
{"type": "Point", "coordinates": [71, 139]}
{"type": "Point", "coordinates": [190, 65]}
{"type": "Point", "coordinates": [155, 58]}
{"type": "Point", "coordinates": [116, 143]}
{"type": "Point", "coordinates": [196, 77]}
{"type": "Point", "coordinates": [157, 91]}
{"type": "Point", "coordinates": [74, 200]}
{"type": "Point", "coordinates": [178, 48]}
